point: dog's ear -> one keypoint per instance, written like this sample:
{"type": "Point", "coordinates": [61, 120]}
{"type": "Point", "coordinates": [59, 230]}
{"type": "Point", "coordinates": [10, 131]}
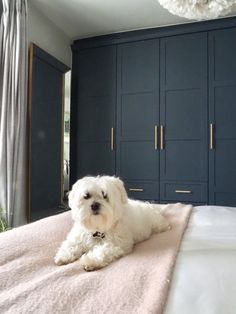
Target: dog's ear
{"type": "Point", "coordinates": [71, 195]}
{"type": "Point", "coordinates": [120, 186]}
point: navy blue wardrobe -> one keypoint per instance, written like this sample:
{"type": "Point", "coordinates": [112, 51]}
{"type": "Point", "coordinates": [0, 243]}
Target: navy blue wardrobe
{"type": "Point", "coordinates": [158, 108]}
{"type": "Point", "coordinates": [222, 117]}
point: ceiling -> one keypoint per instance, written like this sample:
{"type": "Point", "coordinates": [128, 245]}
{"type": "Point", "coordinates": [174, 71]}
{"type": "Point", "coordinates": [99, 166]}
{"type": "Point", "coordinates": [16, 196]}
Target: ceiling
{"type": "Point", "coordinates": [86, 18]}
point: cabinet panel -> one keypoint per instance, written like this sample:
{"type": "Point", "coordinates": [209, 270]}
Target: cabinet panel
{"type": "Point", "coordinates": [225, 170]}
{"type": "Point", "coordinates": [97, 71]}
{"type": "Point", "coordinates": [95, 118]}
{"type": "Point", "coordinates": [225, 103]}
{"type": "Point", "coordinates": [222, 55]}
{"type": "Point", "coordinates": [95, 158]}
{"type": "Point", "coordinates": [183, 160]}
{"type": "Point", "coordinates": [136, 66]}
{"type": "Point", "coordinates": [142, 190]}
{"type": "Point", "coordinates": [185, 192]}
{"type": "Point", "coordinates": [138, 114]}
{"type": "Point", "coordinates": [184, 112]}
{"type": "Point", "coordinates": [137, 161]}
{"type": "Point", "coordinates": [222, 113]}
{"type": "Point", "coordinates": [96, 111]}
{"type": "Point", "coordinates": [225, 198]}
{"type": "Point", "coordinates": [183, 61]}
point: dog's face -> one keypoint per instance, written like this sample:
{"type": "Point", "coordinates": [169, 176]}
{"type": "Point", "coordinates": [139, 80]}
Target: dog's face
{"type": "Point", "coordinates": [97, 202]}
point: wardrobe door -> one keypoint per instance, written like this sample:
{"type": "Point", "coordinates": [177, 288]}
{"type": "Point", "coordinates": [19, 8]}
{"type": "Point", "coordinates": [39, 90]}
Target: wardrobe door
{"type": "Point", "coordinates": [183, 118]}
{"type": "Point", "coordinates": [222, 117]}
{"type": "Point", "coordinates": [95, 112]}
{"type": "Point", "coordinates": [138, 118]}
{"type": "Point", "coordinates": [46, 114]}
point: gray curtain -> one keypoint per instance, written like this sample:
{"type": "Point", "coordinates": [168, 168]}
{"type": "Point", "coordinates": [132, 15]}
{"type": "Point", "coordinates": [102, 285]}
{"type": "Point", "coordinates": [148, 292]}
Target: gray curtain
{"type": "Point", "coordinates": [13, 109]}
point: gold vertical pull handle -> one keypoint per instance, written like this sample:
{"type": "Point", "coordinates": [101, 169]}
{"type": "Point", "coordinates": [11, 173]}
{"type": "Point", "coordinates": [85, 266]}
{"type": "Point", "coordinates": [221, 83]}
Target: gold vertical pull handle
{"type": "Point", "coordinates": [211, 136]}
{"type": "Point", "coordinates": [155, 137]}
{"type": "Point", "coordinates": [112, 139]}
{"type": "Point", "coordinates": [161, 137]}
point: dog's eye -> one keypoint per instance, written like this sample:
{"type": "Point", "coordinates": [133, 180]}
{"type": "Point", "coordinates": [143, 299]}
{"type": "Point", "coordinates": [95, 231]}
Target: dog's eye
{"type": "Point", "coordinates": [87, 196]}
{"type": "Point", "coordinates": [104, 195]}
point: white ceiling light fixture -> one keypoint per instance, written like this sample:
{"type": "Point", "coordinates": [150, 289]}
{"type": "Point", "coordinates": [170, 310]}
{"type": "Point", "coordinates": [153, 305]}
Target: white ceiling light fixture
{"type": "Point", "coordinates": [198, 9]}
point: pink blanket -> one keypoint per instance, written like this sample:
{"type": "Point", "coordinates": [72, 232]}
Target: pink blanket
{"type": "Point", "coordinates": [137, 283]}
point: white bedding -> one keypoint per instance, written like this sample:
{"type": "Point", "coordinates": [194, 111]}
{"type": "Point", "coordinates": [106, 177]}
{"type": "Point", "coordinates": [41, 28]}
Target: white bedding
{"type": "Point", "coordinates": [204, 279]}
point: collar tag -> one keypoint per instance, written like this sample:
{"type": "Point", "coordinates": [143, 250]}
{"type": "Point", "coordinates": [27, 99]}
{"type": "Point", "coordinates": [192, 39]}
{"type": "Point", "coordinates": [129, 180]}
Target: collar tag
{"type": "Point", "coordinates": [98, 234]}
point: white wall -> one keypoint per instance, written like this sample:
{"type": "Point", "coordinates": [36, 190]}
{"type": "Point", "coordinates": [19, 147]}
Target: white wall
{"type": "Point", "coordinates": [48, 36]}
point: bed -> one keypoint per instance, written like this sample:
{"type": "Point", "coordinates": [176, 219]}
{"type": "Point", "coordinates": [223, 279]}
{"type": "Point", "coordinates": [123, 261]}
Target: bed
{"type": "Point", "coordinates": [203, 280]}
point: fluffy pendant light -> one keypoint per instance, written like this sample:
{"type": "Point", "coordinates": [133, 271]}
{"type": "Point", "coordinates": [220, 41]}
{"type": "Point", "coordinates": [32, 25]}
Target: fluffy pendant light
{"type": "Point", "coordinates": [198, 9]}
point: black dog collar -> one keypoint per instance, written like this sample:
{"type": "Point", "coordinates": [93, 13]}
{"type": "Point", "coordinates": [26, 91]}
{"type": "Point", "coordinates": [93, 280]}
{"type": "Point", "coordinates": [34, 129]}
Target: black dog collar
{"type": "Point", "coordinates": [98, 234]}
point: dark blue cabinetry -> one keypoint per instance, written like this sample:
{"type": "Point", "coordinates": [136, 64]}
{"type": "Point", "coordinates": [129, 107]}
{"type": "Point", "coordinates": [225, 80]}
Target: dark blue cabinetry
{"type": "Point", "coordinates": [138, 117]}
{"type": "Point", "coordinates": [222, 117]}
{"type": "Point", "coordinates": [158, 109]}
{"type": "Point", "coordinates": [183, 117]}
{"type": "Point", "coordinates": [96, 88]}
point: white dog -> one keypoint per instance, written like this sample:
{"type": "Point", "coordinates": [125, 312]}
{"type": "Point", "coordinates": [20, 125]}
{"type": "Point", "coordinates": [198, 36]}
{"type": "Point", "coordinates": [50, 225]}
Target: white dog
{"type": "Point", "coordinates": [106, 223]}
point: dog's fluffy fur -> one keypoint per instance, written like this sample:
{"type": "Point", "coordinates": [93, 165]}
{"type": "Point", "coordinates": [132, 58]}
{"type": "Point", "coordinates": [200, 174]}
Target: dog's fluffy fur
{"type": "Point", "coordinates": [100, 206]}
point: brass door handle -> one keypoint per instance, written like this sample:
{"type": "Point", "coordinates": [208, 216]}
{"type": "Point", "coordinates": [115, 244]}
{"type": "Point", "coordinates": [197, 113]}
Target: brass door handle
{"type": "Point", "coordinates": [112, 139]}
{"type": "Point", "coordinates": [161, 137]}
{"type": "Point", "coordinates": [136, 190]}
{"type": "Point", "coordinates": [211, 136]}
{"type": "Point", "coordinates": [183, 191]}
{"type": "Point", "coordinates": [155, 137]}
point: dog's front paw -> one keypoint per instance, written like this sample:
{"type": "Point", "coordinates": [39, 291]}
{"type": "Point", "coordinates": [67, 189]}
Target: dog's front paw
{"type": "Point", "coordinates": [58, 260]}
{"type": "Point", "coordinates": [88, 263]}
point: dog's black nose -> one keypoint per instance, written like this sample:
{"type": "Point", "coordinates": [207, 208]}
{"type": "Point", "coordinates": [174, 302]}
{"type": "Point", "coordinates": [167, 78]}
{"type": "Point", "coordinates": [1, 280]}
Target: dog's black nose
{"type": "Point", "coordinates": [95, 206]}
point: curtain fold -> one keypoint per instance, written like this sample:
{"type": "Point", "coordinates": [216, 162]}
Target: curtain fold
{"type": "Point", "coordinates": [13, 110]}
